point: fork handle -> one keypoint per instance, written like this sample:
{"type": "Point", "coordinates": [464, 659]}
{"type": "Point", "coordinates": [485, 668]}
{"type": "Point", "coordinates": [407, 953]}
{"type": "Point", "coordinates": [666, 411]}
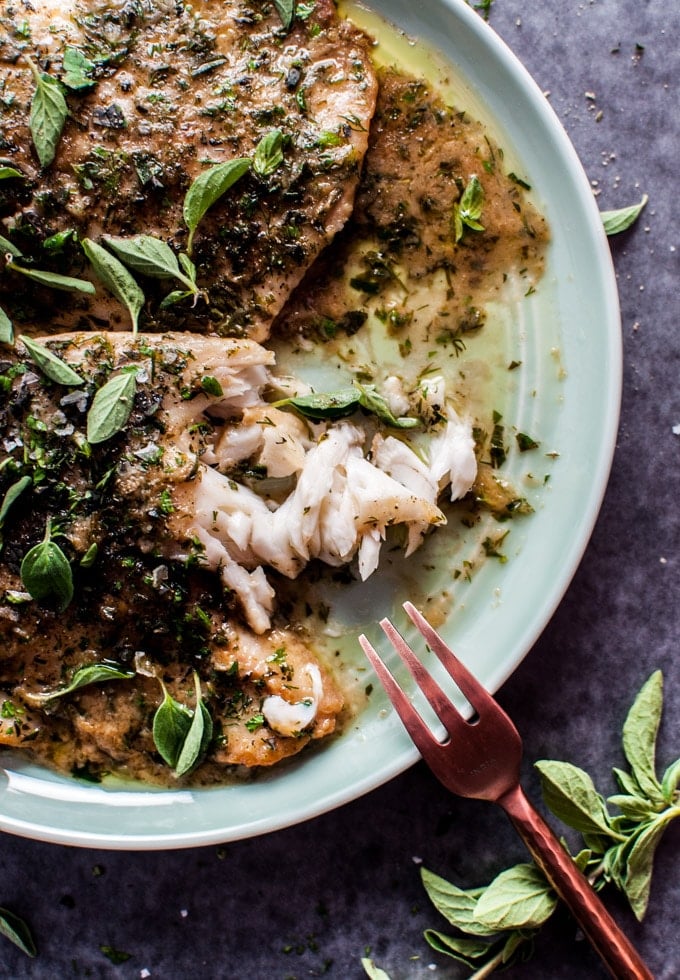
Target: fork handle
{"type": "Point", "coordinates": [615, 949]}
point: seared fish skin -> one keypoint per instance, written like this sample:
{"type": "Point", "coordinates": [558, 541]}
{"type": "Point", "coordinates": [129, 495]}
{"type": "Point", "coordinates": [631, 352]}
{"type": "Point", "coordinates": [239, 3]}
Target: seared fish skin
{"type": "Point", "coordinates": [171, 89]}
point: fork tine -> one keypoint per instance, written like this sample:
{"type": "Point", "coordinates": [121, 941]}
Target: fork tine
{"type": "Point", "coordinates": [476, 694]}
{"type": "Point", "coordinates": [421, 735]}
{"type": "Point", "coordinates": [440, 703]}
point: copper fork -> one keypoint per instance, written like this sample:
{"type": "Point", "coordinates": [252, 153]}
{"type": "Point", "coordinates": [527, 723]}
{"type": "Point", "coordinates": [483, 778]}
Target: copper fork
{"type": "Point", "coordinates": [480, 759]}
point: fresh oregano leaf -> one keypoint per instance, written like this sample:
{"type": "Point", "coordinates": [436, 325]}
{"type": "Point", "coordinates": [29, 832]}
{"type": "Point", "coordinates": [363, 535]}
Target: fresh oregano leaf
{"type": "Point", "coordinates": [6, 328]}
{"type": "Point", "coordinates": [372, 971]}
{"type": "Point", "coordinates": [51, 366]}
{"type": "Point", "coordinates": [622, 218]}
{"type": "Point", "coordinates": [211, 386]}
{"type": "Point", "coordinates": [268, 154]}
{"type": "Point", "coordinates": [639, 735]}
{"type": "Point", "coordinates": [149, 256]}
{"type": "Point", "coordinates": [198, 737]}
{"type": "Point", "coordinates": [372, 401]}
{"type": "Point", "coordinates": [176, 296]}
{"type": "Point", "coordinates": [571, 795]}
{"type": "Point", "coordinates": [468, 210]}
{"type": "Point", "coordinates": [171, 724]}
{"type": "Point", "coordinates": [54, 245]}
{"type": "Point", "coordinates": [519, 898]}
{"type": "Point", "coordinates": [90, 556]}
{"type": "Point", "coordinates": [54, 279]}
{"type": "Point", "coordinates": [512, 944]}
{"type": "Point", "coordinates": [458, 947]}
{"type": "Point", "coordinates": [77, 70]}
{"type": "Point", "coordinates": [46, 572]}
{"type": "Point", "coordinates": [632, 806]}
{"type": "Point", "coordinates": [83, 677]}
{"type": "Point", "coordinates": [7, 173]}
{"type": "Point", "coordinates": [208, 188]}
{"type": "Point", "coordinates": [455, 904]}
{"type": "Point", "coordinates": [12, 494]}
{"type": "Point", "coordinates": [9, 248]}
{"type": "Point", "coordinates": [320, 406]}
{"type": "Point", "coordinates": [671, 781]}
{"type": "Point", "coordinates": [49, 112]}
{"type": "Point", "coordinates": [286, 11]}
{"type": "Point", "coordinates": [639, 861]}
{"type": "Point", "coordinates": [111, 407]}
{"type": "Point", "coordinates": [16, 930]}
{"type": "Point", "coordinates": [116, 278]}
{"type": "Point", "coordinates": [627, 782]}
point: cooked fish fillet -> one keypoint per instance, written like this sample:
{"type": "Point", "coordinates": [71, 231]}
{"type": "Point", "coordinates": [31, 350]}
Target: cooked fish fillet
{"type": "Point", "coordinates": [162, 91]}
{"type": "Point", "coordinates": [401, 257]}
{"type": "Point", "coordinates": [177, 502]}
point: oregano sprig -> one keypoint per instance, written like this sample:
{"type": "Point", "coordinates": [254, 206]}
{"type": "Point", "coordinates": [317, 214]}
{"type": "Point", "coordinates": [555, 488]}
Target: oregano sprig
{"type": "Point", "coordinates": [496, 924]}
{"type": "Point", "coordinates": [116, 278]}
{"type": "Point", "coordinates": [182, 735]}
{"type": "Point", "coordinates": [343, 402]}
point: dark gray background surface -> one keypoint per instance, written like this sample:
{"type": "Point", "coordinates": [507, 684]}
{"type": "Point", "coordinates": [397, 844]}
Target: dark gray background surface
{"type": "Point", "coordinates": [308, 902]}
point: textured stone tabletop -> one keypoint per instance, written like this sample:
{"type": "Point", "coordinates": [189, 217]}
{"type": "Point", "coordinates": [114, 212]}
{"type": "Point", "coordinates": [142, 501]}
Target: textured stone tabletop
{"type": "Point", "coordinates": [309, 901]}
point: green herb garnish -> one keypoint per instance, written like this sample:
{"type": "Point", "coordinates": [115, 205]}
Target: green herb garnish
{"type": "Point", "coordinates": [468, 210]}
{"type": "Point", "coordinates": [208, 188]}
{"type": "Point", "coordinates": [286, 11]}
{"type": "Point", "coordinates": [51, 366]}
{"type": "Point", "coordinates": [77, 70]}
{"type": "Point", "coordinates": [116, 278]}
{"type": "Point", "coordinates": [268, 154]}
{"type": "Point", "coordinates": [83, 677]}
{"type": "Point", "coordinates": [7, 173]}
{"type": "Point", "coordinates": [49, 112]}
{"type": "Point", "coordinates": [525, 442]}
{"type": "Point", "coordinates": [111, 406]}
{"type": "Point", "coordinates": [153, 257]}
{"type": "Point", "coordinates": [6, 328]}
{"type": "Point", "coordinates": [12, 495]}
{"type": "Point", "coordinates": [181, 735]}
{"type": "Point", "coordinates": [53, 279]}
{"type": "Point", "coordinates": [46, 572]}
{"type": "Point", "coordinates": [320, 406]}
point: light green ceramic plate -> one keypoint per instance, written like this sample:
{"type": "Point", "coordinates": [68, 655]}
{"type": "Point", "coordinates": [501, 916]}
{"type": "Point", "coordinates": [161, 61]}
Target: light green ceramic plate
{"type": "Point", "coordinates": [566, 395]}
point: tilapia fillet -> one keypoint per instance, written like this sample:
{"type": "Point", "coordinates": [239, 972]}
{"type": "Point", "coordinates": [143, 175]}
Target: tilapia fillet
{"type": "Point", "coordinates": [178, 501]}
{"type": "Point", "coordinates": [156, 94]}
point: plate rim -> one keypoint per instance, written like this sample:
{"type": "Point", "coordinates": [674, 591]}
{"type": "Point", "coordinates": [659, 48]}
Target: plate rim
{"type": "Point", "coordinates": [407, 755]}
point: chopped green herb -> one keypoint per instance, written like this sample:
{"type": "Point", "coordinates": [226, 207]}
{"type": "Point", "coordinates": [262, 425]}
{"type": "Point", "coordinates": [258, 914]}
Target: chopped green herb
{"type": "Point", "coordinates": [525, 442]}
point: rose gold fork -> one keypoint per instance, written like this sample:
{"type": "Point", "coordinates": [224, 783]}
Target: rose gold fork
{"type": "Point", "coordinates": [481, 759]}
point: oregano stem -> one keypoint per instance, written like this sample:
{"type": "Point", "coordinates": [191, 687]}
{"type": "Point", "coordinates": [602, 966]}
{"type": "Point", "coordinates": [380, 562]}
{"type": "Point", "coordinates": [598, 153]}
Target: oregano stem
{"type": "Point", "coordinates": [489, 967]}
